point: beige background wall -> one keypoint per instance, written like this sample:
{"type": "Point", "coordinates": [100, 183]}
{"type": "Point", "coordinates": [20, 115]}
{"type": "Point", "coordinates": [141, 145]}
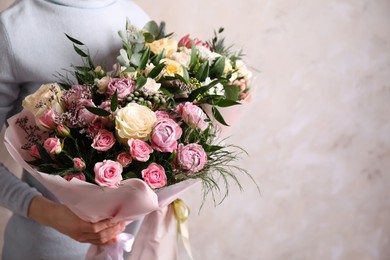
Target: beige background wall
{"type": "Point", "coordinates": [317, 131]}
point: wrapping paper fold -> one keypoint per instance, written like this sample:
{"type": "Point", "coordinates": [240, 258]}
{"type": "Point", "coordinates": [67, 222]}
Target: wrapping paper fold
{"type": "Point", "coordinates": [131, 200]}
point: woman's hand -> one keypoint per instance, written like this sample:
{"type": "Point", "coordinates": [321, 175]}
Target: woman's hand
{"type": "Point", "coordinates": [61, 218]}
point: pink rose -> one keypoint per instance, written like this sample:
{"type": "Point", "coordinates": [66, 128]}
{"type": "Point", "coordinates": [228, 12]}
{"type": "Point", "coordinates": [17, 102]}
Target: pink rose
{"type": "Point", "coordinates": [108, 173]}
{"type": "Point", "coordinates": [63, 130]}
{"type": "Point", "coordinates": [95, 127]}
{"type": "Point", "coordinates": [124, 88]}
{"type": "Point", "coordinates": [103, 141]}
{"type": "Point", "coordinates": [124, 159]}
{"type": "Point", "coordinates": [53, 145]}
{"type": "Point", "coordinates": [48, 119]}
{"type": "Point", "coordinates": [154, 176]}
{"type": "Point", "coordinates": [139, 150]}
{"type": "Point", "coordinates": [79, 176]}
{"type": "Point", "coordinates": [191, 157]}
{"type": "Point", "coordinates": [162, 115]}
{"type": "Point", "coordinates": [34, 152]}
{"type": "Point", "coordinates": [79, 164]}
{"type": "Point", "coordinates": [164, 135]}
{"type": "Point", "coordinates": [75, 94]}
{"type": "Point", "coordinates": [82, 114]}
{"type": "Point", "coordinates": [192, 115]}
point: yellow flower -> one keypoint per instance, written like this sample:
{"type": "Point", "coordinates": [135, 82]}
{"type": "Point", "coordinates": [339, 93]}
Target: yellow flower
{"type": "Point", "coordinates": [169, 45]}
{"type": "Point", "coordinates": [172, 67]}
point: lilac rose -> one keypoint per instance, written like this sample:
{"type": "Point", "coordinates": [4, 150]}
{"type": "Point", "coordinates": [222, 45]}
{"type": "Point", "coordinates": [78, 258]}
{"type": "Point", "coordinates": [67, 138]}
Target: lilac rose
{"type": "Point", "coordinates": [164, 135]}
{"type": "Point", "coordinates": [192, 115]}
{"type": "Point", "coordinates": [123, 87]}
{"type": "Point", "coordinates": [190, 157]}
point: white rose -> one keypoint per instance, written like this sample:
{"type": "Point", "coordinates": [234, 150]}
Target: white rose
{"type": "Point", "coordinates": [47, 97]}
{"type": "Point", "coordinates": [151, 86]}
{"type": "Point", "coordinates": [134, 121]}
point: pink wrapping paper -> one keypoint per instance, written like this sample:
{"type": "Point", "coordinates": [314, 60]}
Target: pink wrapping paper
{"type": "Point", "coordinates": [131, 200]}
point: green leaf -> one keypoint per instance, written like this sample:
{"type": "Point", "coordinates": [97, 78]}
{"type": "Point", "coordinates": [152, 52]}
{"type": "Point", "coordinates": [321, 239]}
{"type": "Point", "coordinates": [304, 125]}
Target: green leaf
{"type": "Point", "coordinates": [140, 82]}
{"type": "Point", "coordinates": [186, 76]}
{"type": "Point", "coordinates": [203, 72]}
{"type": "Point", "coordinates": [218, 67]}
{"type": "Point", "coordinates": [45, 156]}
{"type": "Point", "coordinates": [194, 58]}
{"type": "Point", "coordinates": [158, 58]}
{"type": "Point", "coordinates": [74, 40]}
{"type": "Point", "coordinates": [227, 103]}
{"type": "Point", "coordinates": [152, 28]}
{"type": "Point", "coordinates": [211, 148]}
{"type": "Point", "coordinates": [217, 115]}
{"type": "Point", "coordinates": [80, 52]}
{"type": "Point", "coordinates": [156, 70]}
{"type": "Point", "coordinates": [232, 92]}
{"type": "Point", "coordinates": [98, 111]}
{"type": "Point", "coordinates": [144, 59]}
{"type": "Point", "coordinates": [179, 77]}
{"type": "Point", "coordinates": [114, 101]}
{"type": "Point", "coordinates": [202, 90]}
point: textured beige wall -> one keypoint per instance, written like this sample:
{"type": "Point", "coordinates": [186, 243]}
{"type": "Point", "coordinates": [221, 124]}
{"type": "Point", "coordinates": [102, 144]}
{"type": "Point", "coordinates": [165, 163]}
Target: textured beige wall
{"type": "Point", "coordinates": [317, 131]}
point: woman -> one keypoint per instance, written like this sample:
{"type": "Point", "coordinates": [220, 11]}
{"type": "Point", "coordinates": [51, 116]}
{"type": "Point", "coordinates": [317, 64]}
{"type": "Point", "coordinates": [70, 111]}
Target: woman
{"type": "Point", "coordinates": [33, 47]}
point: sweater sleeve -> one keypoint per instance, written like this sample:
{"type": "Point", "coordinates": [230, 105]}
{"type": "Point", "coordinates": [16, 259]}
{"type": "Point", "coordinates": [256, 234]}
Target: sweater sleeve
{"type": "Point", "coordinates": [15, 194]}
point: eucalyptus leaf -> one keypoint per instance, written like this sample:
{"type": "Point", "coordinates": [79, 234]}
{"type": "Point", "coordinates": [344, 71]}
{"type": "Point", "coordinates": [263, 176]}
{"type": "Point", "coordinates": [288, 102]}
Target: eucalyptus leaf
{"type": "Point", "coordinates": [136, 58]}
{"type": "Point", "coordinates": [148, 37]}
{"type": "Point", "coordinates": [152, 28]}
{"type": "Point", "coordinates": [98, 111]}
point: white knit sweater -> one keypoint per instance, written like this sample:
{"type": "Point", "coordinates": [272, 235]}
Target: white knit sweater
{"type": "Point", "coordinates": [33, 48]}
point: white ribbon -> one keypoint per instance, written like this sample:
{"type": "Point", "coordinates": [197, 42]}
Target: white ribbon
{"type": "Point", "coordinates": [111, 252]}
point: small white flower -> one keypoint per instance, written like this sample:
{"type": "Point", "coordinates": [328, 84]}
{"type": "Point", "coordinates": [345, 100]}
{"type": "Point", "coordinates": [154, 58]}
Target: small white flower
{"type": "Point", "coordinates": [206, 54]}
{"type": "Point", "coordinates": [218, 89]}
{"type": "Point", "coordinates": [151, 86]}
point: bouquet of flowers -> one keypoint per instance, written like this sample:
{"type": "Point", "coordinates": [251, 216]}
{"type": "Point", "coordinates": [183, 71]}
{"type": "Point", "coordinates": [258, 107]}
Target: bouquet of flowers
{"type": "Point", "coordinates": [143, 124]}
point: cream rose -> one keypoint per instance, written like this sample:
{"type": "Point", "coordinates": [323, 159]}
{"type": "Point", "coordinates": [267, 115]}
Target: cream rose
{"type": "Point", "coordinates": [134, 121]}
{"type": "Point", "coordinates": [47, 97]}
{"type": "Point", "coordinates": [182, 57]}
{"type": "Point", "coordinates": [169, 45]}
